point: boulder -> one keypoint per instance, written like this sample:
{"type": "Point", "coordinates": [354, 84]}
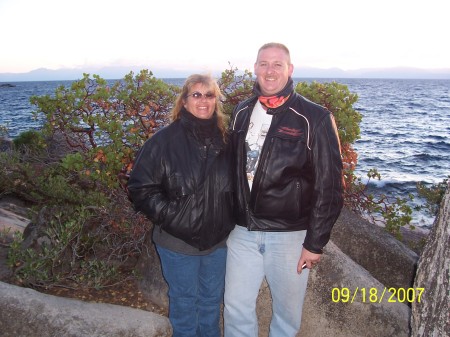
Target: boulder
{"type": "Point", "coordinates": [28, 313]}
{"type": "Point", "coordinates": [152, 284]}
{"type": "Point", "coordinates": [14, 215]}
{"type": "Point", "coordinates": [329, 312]}
{"type": "Point", "coordinates": [382, 255]}
{"type": "Point", "coordinates": [431, 315]}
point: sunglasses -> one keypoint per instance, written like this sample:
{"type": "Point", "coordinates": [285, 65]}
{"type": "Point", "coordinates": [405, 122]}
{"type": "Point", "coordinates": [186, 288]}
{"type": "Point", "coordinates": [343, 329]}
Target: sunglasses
{"type": "Point", "coordinates": [199, 95]}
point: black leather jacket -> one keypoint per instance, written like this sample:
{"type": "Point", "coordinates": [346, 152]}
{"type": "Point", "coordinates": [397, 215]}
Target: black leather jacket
{"type": "Point", "coordinates": [184, 185]}
{"type": "Point", "coordinates": [298, 182]}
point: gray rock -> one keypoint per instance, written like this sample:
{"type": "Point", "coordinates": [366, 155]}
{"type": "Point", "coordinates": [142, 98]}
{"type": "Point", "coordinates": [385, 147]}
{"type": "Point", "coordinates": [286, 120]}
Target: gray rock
{"type": "Point", "coordinates": [386, 258]}
{"type": "Point", "coordinates": [431, 315]}
{"type": "Point", "coordinates": [28, 313]}
{"type": "Point", "coordinates": [13, 216]}
{"type": "Point", "coordinates": [326, 313]}
{"type": "Point", "coordinates": [152, 284]}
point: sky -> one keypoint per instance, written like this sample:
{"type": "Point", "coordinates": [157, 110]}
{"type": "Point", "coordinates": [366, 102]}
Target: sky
{"type": "Point", "coordinates": [208, 35]}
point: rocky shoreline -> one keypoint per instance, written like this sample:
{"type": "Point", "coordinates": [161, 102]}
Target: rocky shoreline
{"type": "Point", "coordinates": [394, 317]}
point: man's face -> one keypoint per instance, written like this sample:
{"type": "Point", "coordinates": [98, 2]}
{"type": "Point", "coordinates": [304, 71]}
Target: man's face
{"type": "Point", "coordinates": [272, 70]}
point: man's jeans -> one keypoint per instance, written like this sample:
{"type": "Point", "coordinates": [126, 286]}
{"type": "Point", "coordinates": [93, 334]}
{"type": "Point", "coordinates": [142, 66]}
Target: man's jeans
{"type": "Point", "coordinates": [253, 255]}
{"type": "Point", "coordinates": [196, 285]}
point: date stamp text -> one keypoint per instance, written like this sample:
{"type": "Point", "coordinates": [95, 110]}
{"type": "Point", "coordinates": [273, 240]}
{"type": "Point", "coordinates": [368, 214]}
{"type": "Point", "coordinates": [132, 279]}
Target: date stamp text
{"type": "Point", "coordinates": [374, 295]}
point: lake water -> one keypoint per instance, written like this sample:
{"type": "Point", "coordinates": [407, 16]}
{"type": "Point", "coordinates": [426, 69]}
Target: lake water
{"type": "Point", "coordinates": [405, 129]}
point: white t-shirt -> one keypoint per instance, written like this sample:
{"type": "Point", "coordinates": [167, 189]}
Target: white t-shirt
{"type": "Point", "coordinates": [256, 135]}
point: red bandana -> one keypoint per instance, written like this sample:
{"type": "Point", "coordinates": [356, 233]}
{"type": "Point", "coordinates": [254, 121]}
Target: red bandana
{"type": "Point", "coordinates": [273, 102]}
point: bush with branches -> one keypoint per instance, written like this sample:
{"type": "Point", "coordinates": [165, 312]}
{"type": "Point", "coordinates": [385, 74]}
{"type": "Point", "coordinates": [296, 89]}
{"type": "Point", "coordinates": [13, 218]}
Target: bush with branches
{"type": "Point", "coordinates": [433, 195]}
{"type": "Point", "coordinates": [106, 124]}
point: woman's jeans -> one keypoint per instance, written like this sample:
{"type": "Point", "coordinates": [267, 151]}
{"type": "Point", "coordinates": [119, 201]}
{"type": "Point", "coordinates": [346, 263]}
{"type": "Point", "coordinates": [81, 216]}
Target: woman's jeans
{"type": "Point", "coordinates": [196, 285]}
{"type": "Point", "coordinates": [253, 255]}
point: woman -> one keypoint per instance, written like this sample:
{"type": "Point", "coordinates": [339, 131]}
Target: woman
{"type": "Point", "coordinates": [181, 181]}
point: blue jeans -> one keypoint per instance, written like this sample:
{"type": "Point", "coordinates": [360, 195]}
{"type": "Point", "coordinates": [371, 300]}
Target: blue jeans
{"type": "Point", "coordinates": [196, 285]}
{"type": "Point", "coordinates": [253, 255]}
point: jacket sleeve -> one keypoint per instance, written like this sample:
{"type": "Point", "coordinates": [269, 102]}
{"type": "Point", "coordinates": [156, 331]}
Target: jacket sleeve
{"type": "Point", "coordinates": [145, 185]}
{"type": "Point", "coordinates": [328, 184]}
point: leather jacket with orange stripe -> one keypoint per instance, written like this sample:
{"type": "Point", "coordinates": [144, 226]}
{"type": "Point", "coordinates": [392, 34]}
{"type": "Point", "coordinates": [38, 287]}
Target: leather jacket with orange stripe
{"type": "Point", "coordinates": [298, 181]}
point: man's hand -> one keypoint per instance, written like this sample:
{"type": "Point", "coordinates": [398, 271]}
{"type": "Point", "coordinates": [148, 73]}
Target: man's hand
{"type": "Point", "coordinates": [308, 258]}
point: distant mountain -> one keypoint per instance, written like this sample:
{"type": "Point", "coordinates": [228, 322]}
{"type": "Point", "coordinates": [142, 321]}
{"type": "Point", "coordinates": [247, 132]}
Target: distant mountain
{"type": "Point", "coordinates": [43, 74]}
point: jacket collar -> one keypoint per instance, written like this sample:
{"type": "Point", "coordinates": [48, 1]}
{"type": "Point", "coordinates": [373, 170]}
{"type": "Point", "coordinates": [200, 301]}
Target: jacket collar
{"type": "Point", "coordinates": [205, 131]}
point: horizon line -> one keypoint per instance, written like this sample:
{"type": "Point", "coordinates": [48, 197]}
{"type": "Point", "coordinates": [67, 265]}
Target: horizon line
{"type": "Point", "coordinates": [112, 72]}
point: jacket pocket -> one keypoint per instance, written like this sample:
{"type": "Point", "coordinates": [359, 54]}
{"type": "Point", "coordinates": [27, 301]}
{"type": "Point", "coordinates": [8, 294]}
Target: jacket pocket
{"type": "Point", "coordinates": [281, 202]}
{"type": "Point", "coordinates": [179, 210]}
{"type": "Point", "coordinates": [177, 220]}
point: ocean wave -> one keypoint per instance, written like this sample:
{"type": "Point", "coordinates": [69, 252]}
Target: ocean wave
{"type": "Point", "coordinates": [423, 157]}
{"type": "Point", "coordinates": [440, 146]}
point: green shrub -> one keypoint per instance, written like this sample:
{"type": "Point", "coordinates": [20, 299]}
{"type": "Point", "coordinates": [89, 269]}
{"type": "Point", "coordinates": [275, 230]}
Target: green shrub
{"type": "Point", "coordinates": [105, 123]}
{"type": "Point", "coordinates": [30, 140]}
{"type": "Point", "coordinates": [433, 195]}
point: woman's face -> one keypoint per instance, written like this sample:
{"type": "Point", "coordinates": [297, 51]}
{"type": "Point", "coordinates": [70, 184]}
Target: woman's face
{"type": "Point", "coordinates": [200, 101]}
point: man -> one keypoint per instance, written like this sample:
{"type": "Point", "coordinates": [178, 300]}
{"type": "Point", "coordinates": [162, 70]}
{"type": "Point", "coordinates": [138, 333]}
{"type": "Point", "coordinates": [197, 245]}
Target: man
{"type": "Point", "coordinates": [289, 194]}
